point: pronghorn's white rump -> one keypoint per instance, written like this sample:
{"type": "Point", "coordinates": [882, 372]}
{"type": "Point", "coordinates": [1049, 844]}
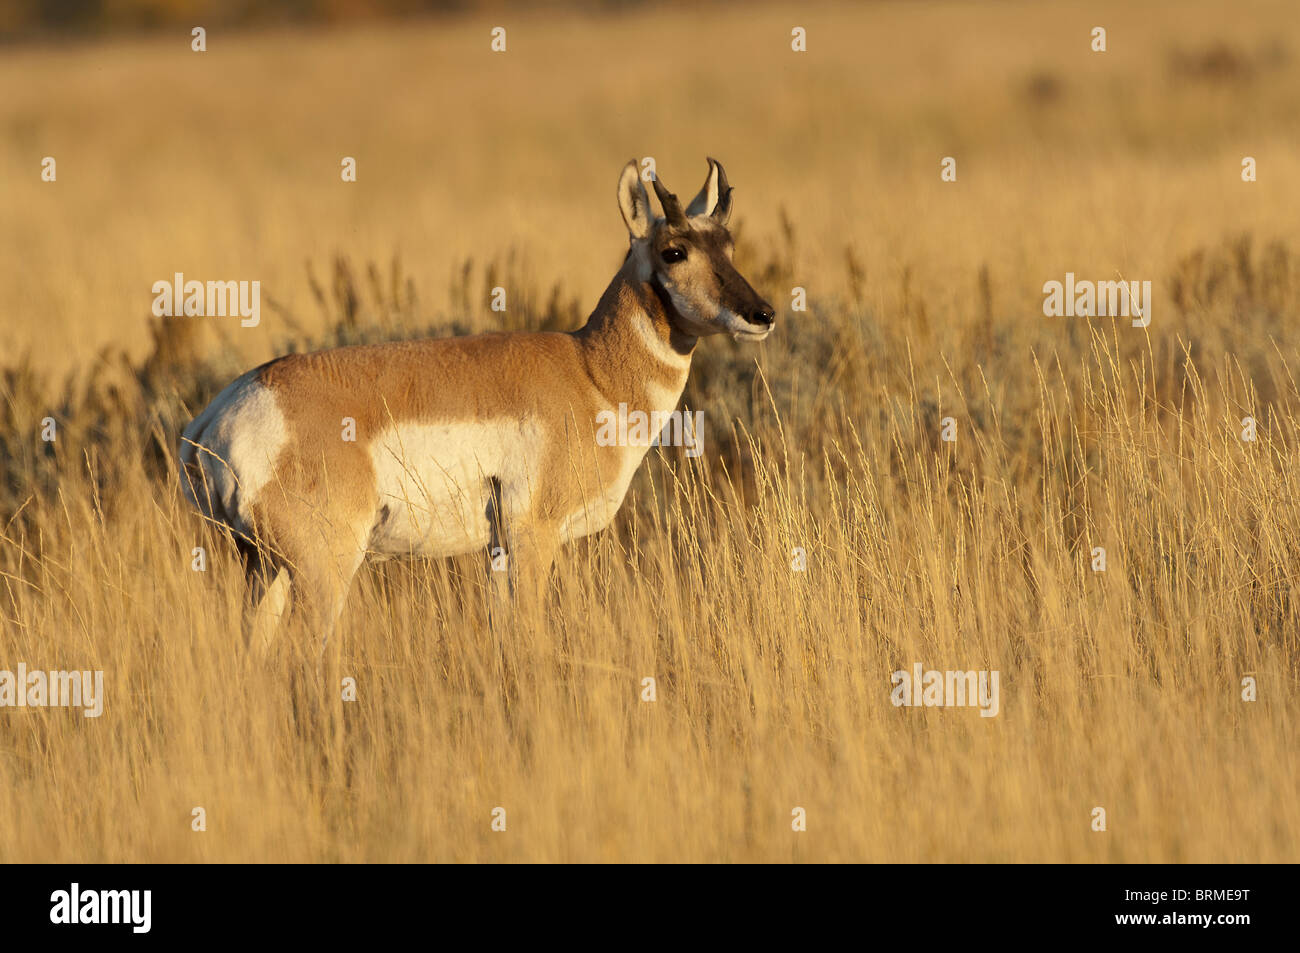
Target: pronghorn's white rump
{"type": "Point", "coordinates": [449, 446]}
{"type": "Point", "coordinates": [232, 448]}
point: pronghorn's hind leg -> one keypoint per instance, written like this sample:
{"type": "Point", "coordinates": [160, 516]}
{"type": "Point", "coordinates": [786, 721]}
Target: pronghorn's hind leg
{"type": "Point", "coordinates": [265, 617]}
{"type": "Point", "coordinates": [317, 525]}
{"type": "Point", "coordinates": [266, 597]}
{"type": "Point", "coordinates": [321, 557]}
{"type": "Point", "coordinates": [320, 587]}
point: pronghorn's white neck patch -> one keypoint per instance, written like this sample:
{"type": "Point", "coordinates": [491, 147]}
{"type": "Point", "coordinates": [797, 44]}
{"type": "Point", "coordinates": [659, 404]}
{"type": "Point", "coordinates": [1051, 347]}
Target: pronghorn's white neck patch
{"type": "Point", "coordinates": [661, 350]}
{"type": "Point", "coordinates": [700, 323]}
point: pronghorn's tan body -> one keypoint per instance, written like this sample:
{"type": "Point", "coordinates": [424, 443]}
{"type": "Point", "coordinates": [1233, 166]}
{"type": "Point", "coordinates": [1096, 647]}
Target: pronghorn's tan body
{"type": "Point", "coordinates": [460, 444]}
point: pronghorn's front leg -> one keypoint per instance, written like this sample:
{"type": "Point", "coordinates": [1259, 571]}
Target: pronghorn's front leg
{"type": "Point", "coordinates": [533, 545]}
{"type": "Point", "coordinates": [521, 552]}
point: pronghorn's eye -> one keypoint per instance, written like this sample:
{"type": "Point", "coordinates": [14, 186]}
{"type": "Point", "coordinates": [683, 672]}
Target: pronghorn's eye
{"type": "Point", "coordinates": [671, 255]}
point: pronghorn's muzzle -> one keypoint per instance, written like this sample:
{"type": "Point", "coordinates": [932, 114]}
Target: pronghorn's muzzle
{"type": "Point", "coordinates": [750, 317]}
{"type": "Point", "coordinates": [755, 327]}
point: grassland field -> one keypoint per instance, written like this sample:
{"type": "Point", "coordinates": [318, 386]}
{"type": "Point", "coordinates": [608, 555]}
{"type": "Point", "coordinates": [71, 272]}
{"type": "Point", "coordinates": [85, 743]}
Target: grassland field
{"type": "Point", "coordinates": [1120, 689]}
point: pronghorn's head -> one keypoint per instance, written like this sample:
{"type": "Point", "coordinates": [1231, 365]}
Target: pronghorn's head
{"type": "Point", "coordinates": [687, 255]}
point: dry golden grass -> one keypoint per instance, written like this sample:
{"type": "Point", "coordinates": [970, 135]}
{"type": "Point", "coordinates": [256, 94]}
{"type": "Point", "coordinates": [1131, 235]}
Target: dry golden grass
{"type": "Point", "coordinates": [1118, 689]}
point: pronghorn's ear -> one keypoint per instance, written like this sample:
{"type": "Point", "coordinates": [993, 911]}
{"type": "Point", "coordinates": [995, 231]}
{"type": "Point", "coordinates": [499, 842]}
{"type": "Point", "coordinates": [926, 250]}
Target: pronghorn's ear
{"type": "Point", "coordinates": [633, 201]}
{"type": "Point", "coordinates": [715, 198]}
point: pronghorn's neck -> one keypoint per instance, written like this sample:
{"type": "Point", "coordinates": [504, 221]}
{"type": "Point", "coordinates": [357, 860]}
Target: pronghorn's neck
{"type": "Point", "coordinates": [635, 352]}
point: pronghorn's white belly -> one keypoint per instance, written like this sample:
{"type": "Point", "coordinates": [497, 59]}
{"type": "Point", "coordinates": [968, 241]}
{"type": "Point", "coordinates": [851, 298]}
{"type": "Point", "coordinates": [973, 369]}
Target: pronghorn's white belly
{"type": "Point", "coordinates": [434, 482]}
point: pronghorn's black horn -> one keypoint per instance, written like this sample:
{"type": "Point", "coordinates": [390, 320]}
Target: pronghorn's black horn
{"type": "Point", "coordinates": [672, 208]}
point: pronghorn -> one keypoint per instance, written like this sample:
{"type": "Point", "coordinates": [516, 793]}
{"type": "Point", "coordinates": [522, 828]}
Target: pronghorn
{"type": "Point", "coordinates": [464, 444]}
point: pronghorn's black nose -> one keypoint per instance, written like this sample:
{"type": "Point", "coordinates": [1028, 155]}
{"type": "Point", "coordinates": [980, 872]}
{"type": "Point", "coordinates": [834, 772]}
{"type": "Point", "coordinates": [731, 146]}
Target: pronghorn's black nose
{"type": "Point", "coordinates": [763, 315]}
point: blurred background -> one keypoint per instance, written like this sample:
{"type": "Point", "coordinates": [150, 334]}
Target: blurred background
{"type": "Point", "coordinates": [23, 19]}
{"type": "Point", "coordinates": [478, 169]}
{"type": "Point", "coordinates": [225, 164]}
